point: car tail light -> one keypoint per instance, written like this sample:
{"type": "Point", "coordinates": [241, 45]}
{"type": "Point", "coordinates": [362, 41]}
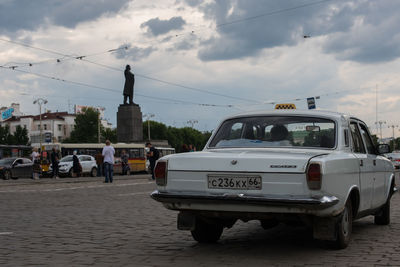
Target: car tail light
{"type": "Point", "coordinates": [314, 176]}
{"type": "Point", "coordinates": [160, 173]}
{"type": "Point", "coordinates": [398, 160]}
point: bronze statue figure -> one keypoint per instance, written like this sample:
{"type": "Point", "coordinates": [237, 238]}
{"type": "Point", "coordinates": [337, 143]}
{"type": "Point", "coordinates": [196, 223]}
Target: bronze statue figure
{"type": "Point", "coordinates": [129, 83]}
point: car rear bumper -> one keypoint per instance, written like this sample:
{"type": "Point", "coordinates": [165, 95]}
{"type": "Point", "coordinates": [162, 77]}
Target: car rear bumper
{"type": "Point", "coordinates": [302, 202]}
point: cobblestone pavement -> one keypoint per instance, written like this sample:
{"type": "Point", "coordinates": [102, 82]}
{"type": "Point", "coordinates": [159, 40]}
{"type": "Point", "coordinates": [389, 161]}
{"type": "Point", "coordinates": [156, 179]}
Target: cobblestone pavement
{"type": "Point", "coordinates": [82, 221]}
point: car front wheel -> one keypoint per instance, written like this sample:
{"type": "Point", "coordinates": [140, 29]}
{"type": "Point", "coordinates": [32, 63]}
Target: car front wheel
{"type": "Point", "coordinates": [7, 175]}
{"type": "Point", "coordinates": [206, 232]}
{"type": "Point", "coordinates": [93, 172]}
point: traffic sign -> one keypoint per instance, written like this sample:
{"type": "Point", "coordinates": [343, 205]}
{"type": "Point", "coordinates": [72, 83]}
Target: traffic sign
{"type": "Point", "coordinates": [311, 102]}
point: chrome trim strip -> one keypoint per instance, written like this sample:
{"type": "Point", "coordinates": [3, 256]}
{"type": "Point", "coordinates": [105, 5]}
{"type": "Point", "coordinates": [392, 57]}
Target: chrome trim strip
{"type": "Point", "coordinates": [242, 199]}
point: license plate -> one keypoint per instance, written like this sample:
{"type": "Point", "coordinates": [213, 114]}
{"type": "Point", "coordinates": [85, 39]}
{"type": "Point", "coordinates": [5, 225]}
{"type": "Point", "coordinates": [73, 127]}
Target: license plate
{"type": "Point", "coordinates": [234, 182]}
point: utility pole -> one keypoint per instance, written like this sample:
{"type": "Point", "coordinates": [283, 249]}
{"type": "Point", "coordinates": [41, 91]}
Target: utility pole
{"type": "Point", "coordinates": [98, 127]}
{"type": "Point", "coordinates": [380, 126]}
{"type": "Point", "coordinates": [147, 117]}
{"type": "Point", "coordinates": [376, 111]}
{"type": "Point", "coordinates": [393, 126]}
{"type": "Point", "coordinates": [40, 102]}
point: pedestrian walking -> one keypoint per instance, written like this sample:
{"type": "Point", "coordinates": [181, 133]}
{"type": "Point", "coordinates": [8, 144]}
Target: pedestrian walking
{"type": "Point", "coordinates": [99, 162]}
{"type": "Point", "coordinates": [152, 156]}
{"type": "Point", "coordinates": [36, 164]}
{"type": "Point", "coordinates": [54, 158]}
{"type": "Point", "coordinates": [108, 154]}
{"type": "Point", "coordinates": [76, 165]}
{"type": "Point", "coordinates": [125, 163]}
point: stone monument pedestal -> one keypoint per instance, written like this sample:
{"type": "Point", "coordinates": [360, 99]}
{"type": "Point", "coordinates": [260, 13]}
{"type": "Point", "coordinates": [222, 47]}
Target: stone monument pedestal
{"type": "Point", "coordinates": [129, 123]}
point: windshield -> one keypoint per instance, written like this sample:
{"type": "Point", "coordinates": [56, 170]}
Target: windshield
{"type": "Point", "coordinates": [66, 159]}
{"type": "Point", "coordinates": [275, 131]}
{"type": "Point", "coordinates": [7, 161]}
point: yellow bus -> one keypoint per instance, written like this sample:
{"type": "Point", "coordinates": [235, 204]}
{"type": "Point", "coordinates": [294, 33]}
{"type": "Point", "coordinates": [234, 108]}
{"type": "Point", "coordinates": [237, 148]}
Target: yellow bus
{"type": "Point", "coordinates": [136, 154]}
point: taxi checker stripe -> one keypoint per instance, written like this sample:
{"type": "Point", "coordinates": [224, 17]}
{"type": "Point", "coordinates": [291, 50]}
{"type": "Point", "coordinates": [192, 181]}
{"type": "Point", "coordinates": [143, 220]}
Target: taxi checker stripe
{"type": "Point", "coordinates": [285, 106]}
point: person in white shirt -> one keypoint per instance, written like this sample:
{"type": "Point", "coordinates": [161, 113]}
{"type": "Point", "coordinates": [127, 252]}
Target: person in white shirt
{"type": "Point", "coordinates": [36, 164]}
{"type": "Point", "coordinates": [108, 154]}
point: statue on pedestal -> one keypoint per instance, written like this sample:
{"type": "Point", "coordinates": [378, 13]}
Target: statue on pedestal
{"type": "Point", "coordinates": [128, 87]}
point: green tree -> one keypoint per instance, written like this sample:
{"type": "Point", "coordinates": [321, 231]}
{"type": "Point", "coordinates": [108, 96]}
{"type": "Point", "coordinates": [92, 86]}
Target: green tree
{"type": "Point", "coordinates": [86, 127]}
{"type": "Point", "coordinates": [176, 136]}
{"type": "Point", "coordinates": [395, 144]}
{"type": "Point", "coordinates": [21, 136]}
{"type": "Point", "coordinates": [109, 134]}
{"type": "Point", "coordinates": [5, 137]}
{"type": "Point", "coordinates": [375, 139]}
{"type": "Point", "coordinates": [158, 130]}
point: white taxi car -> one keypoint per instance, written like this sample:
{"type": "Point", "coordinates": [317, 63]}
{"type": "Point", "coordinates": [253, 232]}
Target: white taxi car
{"type": "Point", "coordinates": [320, 168]}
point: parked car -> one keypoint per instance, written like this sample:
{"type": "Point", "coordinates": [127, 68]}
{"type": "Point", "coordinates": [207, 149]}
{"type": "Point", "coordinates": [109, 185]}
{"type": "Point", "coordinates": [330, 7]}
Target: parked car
{"type": "Point", "coordinates": [87, 162]}
{"type": "Point", "coordinates": [319, 168]}
{"type": "Point", "coordinates": [15, 168]}
{"type": "Point", "coordinates": [395, 158]}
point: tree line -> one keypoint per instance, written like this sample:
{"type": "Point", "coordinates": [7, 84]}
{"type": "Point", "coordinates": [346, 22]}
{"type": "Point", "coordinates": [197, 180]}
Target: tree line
{"type": "Point", "coordinates": [86, 131]}
{"type": "Point", "coordinates": [19, 137]}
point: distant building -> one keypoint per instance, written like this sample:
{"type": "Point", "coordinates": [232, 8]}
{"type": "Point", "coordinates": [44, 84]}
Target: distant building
{"type": "Point", "coordinates": [56, 126]}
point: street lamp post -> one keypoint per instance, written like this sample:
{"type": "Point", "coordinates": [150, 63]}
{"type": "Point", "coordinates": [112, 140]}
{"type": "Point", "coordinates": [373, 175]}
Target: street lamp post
{"type": "Point", "coordinates": [40, 102]}
{"type": "Point", "coordinates": [380, 126]}
{"type": "Point", "coordinates": [147, 117]}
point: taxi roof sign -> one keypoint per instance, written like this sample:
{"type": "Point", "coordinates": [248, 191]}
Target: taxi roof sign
{"type": "Point", "coordinates": [285, 106]}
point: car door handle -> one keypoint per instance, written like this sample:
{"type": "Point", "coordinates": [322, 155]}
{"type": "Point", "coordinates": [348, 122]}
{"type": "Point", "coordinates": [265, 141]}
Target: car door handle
{"type": "Point", "coordinates": [361, 163]}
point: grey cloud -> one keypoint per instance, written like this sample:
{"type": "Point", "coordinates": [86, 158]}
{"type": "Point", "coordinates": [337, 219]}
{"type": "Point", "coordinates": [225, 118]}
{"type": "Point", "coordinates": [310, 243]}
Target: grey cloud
{"type": "Point", "coordinates": [28, 15]}
{"type": "Point", "coordinates": [158, 27]}
{"type": "Point", "coordinates": [357, 30]}
{"type": "Point", "coordinates": [133, 53]}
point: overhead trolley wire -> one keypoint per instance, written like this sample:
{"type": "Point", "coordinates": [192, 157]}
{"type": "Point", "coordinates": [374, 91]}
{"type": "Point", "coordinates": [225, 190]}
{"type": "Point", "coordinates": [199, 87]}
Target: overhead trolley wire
{"type": "Point", "coordinates": [115, 91]}
{"type": "Point", "coordinates": [83, 58]}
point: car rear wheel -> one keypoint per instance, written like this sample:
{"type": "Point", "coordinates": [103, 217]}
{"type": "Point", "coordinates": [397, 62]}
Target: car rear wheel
{"type": "Point", "coordinates": [383, 216]}
{"type": "Point", "coordinates": [206, 232]}
{"type": "Point", "coordinates": [93, 172]}
{"type": "Point", "coordinates": [344, 227]}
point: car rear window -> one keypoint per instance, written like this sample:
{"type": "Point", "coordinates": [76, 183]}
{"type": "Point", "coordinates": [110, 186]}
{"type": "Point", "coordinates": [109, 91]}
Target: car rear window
{"type": "Point", "coordinates": [275, 131]}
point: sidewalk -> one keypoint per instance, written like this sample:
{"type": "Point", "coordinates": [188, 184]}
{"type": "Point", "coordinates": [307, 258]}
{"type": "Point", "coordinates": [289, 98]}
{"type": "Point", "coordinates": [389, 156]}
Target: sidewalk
{"type": "Point", "coordinates": [86, 179]}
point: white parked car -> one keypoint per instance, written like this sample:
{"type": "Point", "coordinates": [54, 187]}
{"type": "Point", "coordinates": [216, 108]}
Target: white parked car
{"type": "Point", "coordinates": [87, 162]}
{"type": "Point", "coordinates": [395, 158]}
{"type": "Point", "coordinates": [320, 168]}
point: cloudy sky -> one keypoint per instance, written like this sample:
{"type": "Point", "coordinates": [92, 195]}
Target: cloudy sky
{"type": "Point", "coordinates": [200, 60]}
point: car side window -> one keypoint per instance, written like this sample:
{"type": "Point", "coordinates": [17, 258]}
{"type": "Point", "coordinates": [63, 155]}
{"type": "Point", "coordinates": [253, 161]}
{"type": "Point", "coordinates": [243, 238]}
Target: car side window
{"type": "Point", "coordinates": [358, 145]}
{"type": "Point", "coordinates": [18, 162]}
{"type": "Point", "coordinates": [367, 139]}
{"type": "Point", "coordinates": [26, 161]}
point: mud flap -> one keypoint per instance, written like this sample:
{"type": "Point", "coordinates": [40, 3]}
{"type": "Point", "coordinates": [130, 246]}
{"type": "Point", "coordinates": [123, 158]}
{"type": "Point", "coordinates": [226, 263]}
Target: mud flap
{"type": "Point", "coordinates": [324, 228]}
{"type": "Point", "coordinates": [186, 221]}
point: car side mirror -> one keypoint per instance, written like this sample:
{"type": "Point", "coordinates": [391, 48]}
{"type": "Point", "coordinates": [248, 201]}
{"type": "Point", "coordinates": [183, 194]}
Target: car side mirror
{"type": "Point", "coordinates": [383, 149]}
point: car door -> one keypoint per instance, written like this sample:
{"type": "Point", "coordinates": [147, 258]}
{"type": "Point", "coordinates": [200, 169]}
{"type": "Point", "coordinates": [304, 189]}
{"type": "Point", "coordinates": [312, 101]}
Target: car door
{"type": "Point", "coordinates": [378, 165]}
{"type": "Point", "coordinates": [17, 168]}
{"type": "Point", "coordinates": [85, 161]}
{"type": "Point", "coordinates": [365, 167]}
{"type": "Point", "coordinates": [27, 168]}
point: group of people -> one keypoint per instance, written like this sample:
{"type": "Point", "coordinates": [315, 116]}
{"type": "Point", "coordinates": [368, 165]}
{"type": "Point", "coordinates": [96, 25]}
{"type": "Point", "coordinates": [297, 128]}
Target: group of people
{"type": "Point", "coordinates": [36, 159]}
{"type": "Point", "coordinates": [104, 161]}
{"type": "Point", "coordinates": [188, 148]}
